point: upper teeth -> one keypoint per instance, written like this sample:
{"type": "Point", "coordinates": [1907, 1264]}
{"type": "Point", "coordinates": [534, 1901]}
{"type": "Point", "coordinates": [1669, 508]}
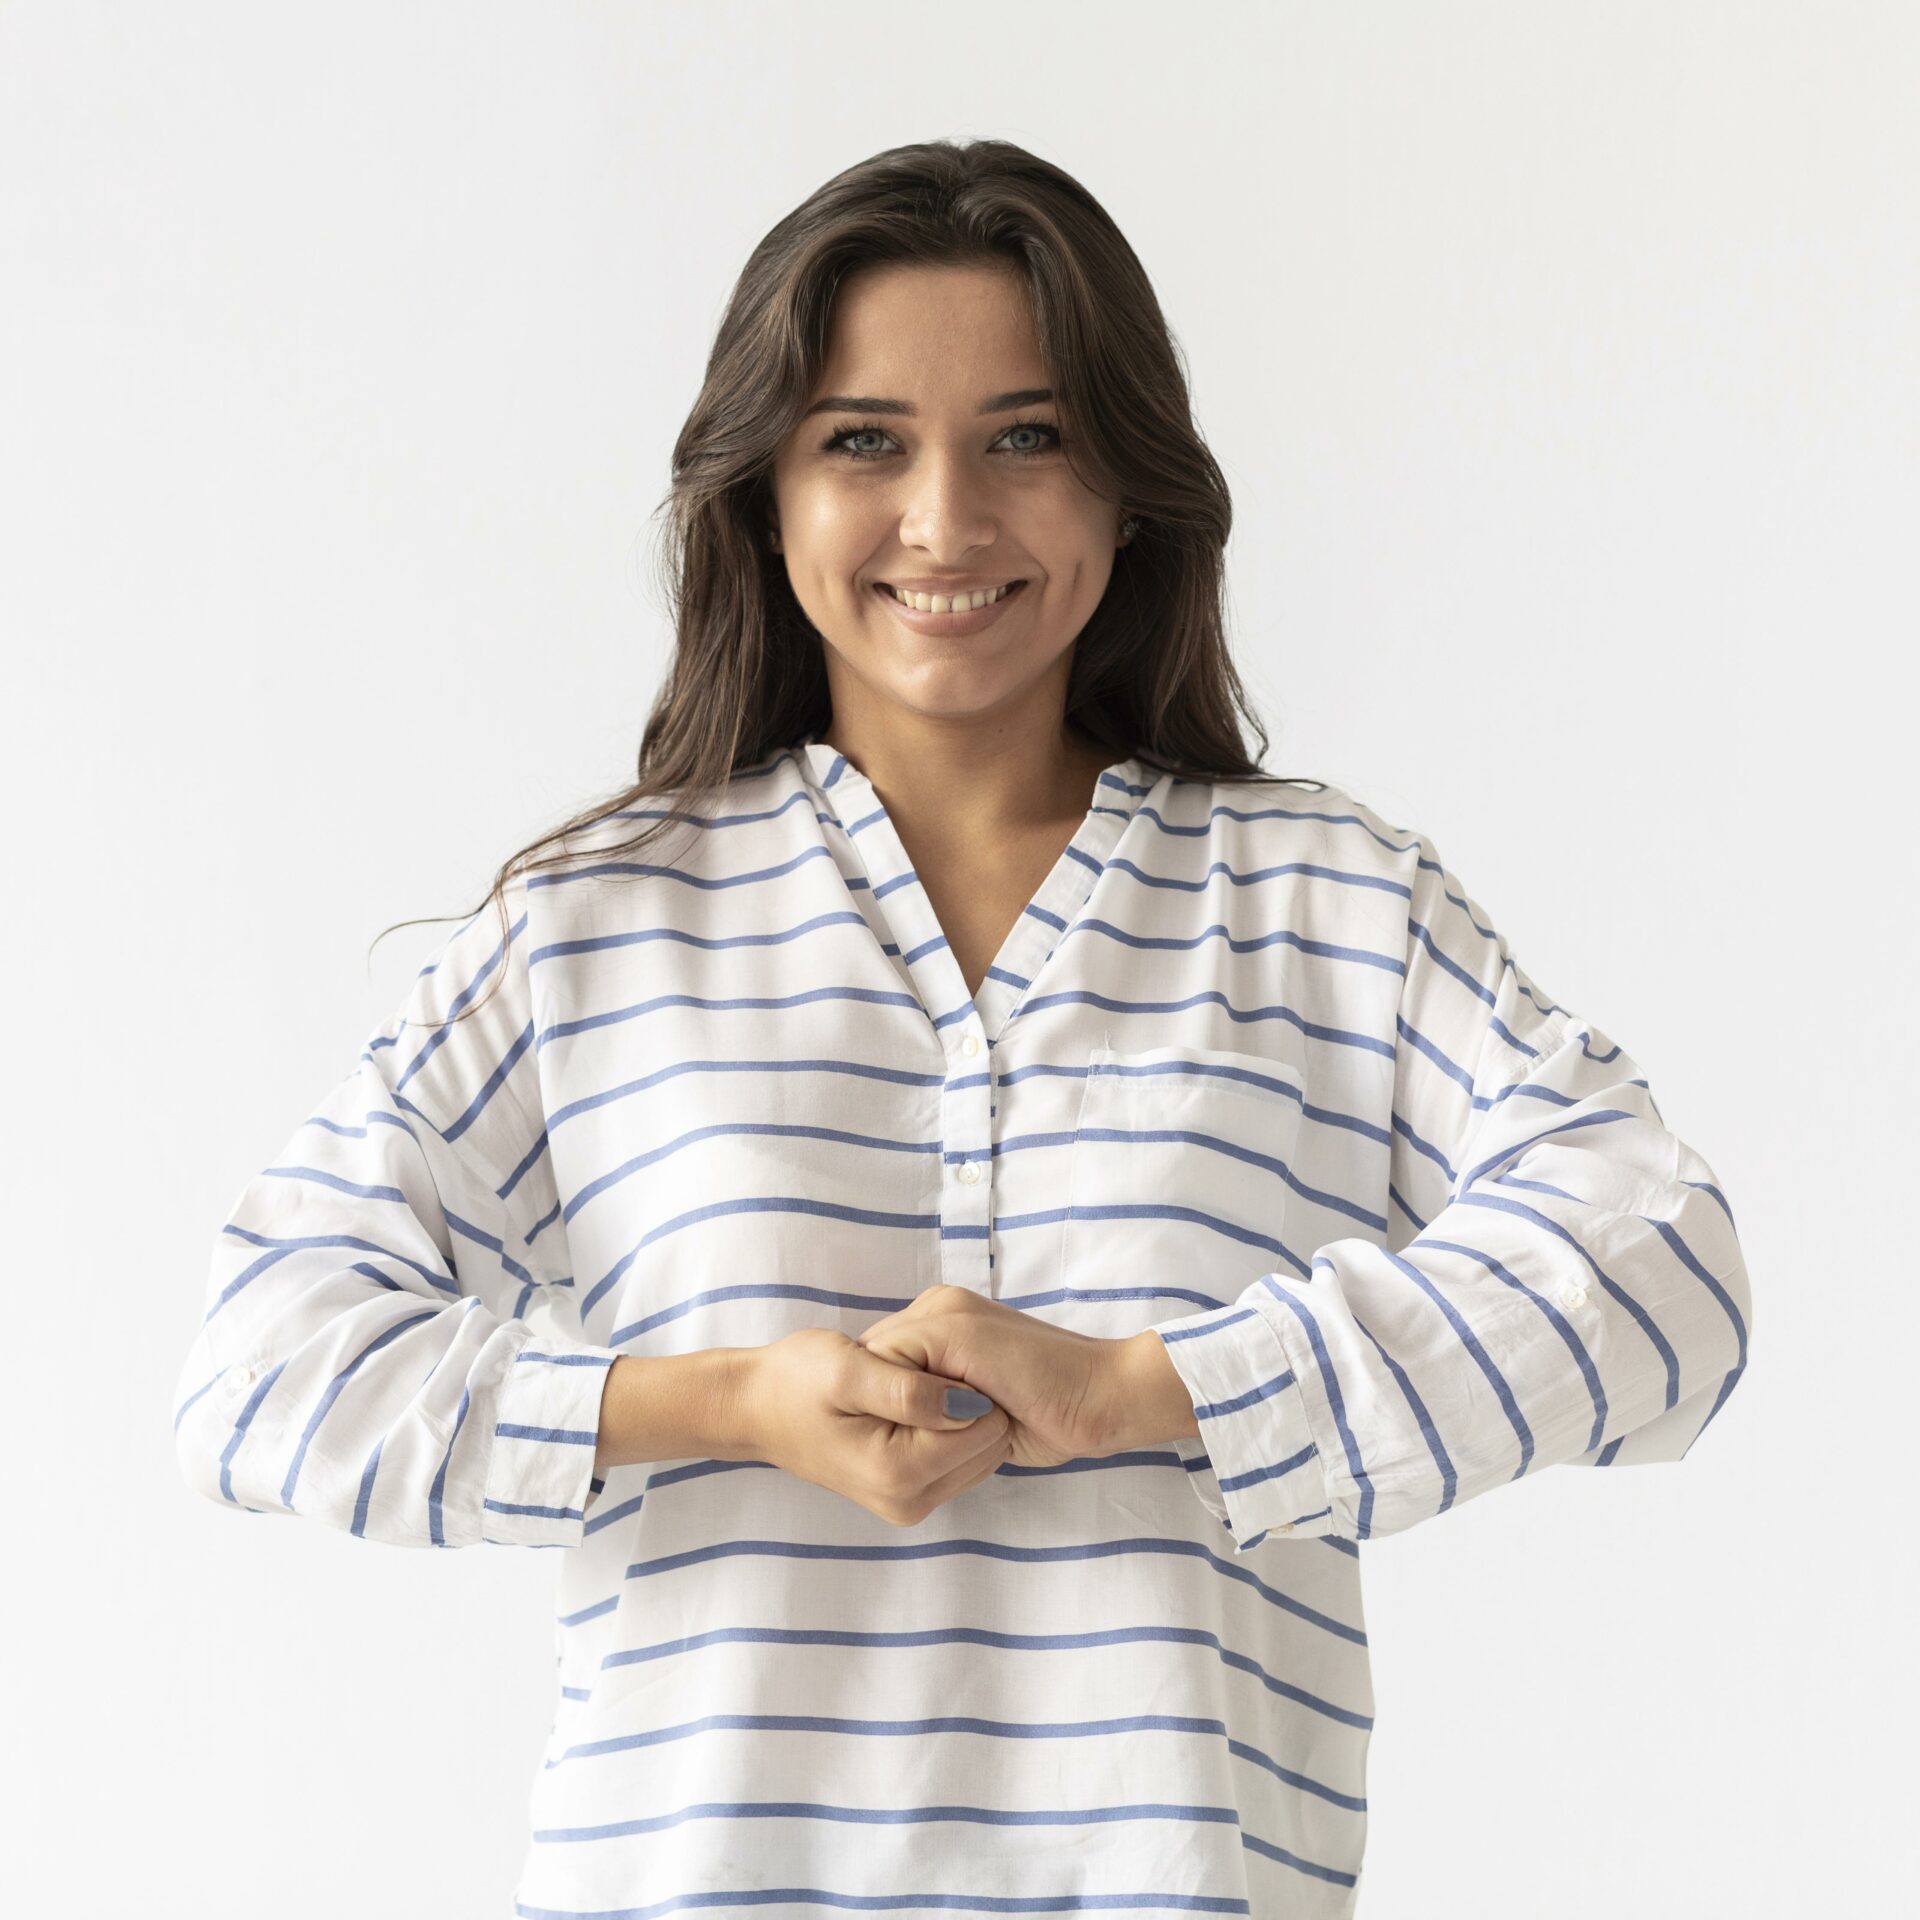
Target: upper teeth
{"type": "Point", "coordinates": [950, 602]}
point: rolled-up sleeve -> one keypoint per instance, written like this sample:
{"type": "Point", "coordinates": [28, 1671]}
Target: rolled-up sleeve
{"type": "Point", "coordinates": [379, 1349]}
{"type": "Point", "coordinates": [1561, 1283]}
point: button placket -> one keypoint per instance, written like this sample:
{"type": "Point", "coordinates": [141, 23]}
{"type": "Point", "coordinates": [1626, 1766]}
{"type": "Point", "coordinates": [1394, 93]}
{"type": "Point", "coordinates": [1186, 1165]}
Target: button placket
{"type": "Point", "coordinates": [966, 1189]}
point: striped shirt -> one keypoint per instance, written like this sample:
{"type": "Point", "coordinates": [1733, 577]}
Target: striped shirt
{"type": "Point", "coordinates": [1250, 1069]}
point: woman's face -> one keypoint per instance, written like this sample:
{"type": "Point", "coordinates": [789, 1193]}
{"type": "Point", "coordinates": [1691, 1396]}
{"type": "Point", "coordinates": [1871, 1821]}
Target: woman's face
{"type": "Point", "coordinates": [930, 486]}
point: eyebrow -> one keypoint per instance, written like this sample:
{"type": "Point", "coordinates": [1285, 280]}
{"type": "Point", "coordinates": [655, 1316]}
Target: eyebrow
{"type": "Point", "coordinates": [867, 403]}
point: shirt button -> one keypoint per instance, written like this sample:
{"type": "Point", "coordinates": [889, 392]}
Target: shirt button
{"type": "Point", "coordinates": [1286, 1526]}
{"type": "Point", "coordinates": [969, 1172]}
{"type": "Point", "coordinates": [1573, 1296]}
{"type": "Point", "coordinates": [244, 1376]}
{"type": "Point", "coordinates": [970, 1045]}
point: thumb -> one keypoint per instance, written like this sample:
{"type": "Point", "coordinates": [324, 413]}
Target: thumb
{"type": "Point", "coordinates": [910, 1396]}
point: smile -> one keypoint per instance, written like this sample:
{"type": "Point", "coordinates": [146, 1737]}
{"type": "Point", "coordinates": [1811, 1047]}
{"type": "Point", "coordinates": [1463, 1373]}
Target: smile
{"type": "Point", "coordinates": [932, 613]}
{"type": "Point", "coordinates": [950, 603]}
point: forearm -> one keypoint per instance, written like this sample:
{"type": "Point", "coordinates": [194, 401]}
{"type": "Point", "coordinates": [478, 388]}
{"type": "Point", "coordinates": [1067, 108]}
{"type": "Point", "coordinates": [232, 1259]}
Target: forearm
{"type": "Point", "coordinates": [675, 1406]}
{"type": "Point", "coordinates": [1149, 1402]}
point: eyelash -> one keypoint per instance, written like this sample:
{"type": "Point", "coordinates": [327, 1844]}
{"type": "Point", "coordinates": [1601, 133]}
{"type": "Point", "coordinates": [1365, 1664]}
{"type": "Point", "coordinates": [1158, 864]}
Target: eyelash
{"type": "Point", "coordinates": [1022, 453]}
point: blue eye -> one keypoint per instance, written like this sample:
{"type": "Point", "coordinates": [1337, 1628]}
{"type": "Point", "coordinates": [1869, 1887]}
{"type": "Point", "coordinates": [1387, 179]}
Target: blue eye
{"type": "Point", "coordinates": [833, 442]}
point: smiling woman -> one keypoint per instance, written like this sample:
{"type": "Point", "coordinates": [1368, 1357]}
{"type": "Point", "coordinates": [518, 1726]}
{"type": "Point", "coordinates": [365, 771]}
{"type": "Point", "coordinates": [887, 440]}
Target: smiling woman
{"type": "Point", "coordinates": [1216, 1133]}
{"type": "Point", "coordinates": [945, 371]}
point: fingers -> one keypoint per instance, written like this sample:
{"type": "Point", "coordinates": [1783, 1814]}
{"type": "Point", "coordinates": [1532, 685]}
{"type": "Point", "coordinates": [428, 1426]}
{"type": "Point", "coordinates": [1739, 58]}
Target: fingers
{"type": "Point", "coordinates": [874, 1429]}
{"type": "Point", "coordinates": [901, 1390]}
{"type": "Point", "coordinates": [981, 1464]}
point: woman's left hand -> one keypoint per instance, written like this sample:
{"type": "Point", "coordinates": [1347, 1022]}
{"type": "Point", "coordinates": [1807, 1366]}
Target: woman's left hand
{"type": "Point", "coordinates": [1055, 1384]}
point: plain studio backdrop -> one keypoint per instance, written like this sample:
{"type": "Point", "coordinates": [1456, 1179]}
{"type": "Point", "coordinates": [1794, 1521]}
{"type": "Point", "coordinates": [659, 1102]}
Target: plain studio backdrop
{"type": "Point", "coordinates": [1562, 364]}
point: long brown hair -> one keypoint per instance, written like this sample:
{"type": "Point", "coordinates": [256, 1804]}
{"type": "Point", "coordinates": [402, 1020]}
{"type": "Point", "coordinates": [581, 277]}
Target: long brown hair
{"type": "Point", "coordinates": [1151, 673]}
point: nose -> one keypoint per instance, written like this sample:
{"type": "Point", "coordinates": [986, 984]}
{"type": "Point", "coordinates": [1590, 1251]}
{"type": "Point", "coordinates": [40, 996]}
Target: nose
{"type": "Point", "coordinates": [948, 512]}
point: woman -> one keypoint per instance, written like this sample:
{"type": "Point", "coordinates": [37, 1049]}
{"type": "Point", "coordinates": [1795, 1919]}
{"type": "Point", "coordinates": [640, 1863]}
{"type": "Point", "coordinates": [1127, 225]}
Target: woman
{"type": "Point", "coordinates": [993, 1019]}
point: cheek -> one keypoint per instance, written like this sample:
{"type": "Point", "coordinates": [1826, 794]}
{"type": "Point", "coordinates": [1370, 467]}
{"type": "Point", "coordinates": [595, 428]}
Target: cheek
{"type": "Point", "coordinates": [835, 556]}
{"type": "Point", "coordinates": [834, 513]}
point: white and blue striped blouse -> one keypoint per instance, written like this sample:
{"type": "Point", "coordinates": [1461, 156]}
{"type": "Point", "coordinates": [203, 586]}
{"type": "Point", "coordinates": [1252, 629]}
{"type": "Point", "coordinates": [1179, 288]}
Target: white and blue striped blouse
{"type": "Point", "coordinates": [1250, 1069]}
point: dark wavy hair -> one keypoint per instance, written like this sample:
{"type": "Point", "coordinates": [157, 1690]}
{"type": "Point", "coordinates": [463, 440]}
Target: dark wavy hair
{"type": "Point", "coordinates": [1151, 675]}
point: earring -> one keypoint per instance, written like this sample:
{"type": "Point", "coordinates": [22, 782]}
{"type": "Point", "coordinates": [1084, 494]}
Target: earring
{"type": "Point", "coordinates": [1128, 529]}
{"type": "Point", "coordinates": [773, 538]}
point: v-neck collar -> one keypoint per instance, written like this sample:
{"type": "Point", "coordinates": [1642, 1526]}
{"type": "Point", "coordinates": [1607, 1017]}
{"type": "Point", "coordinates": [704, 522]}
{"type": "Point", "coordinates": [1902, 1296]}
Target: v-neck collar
{"type": "Point", "coordinates": [922, 951]}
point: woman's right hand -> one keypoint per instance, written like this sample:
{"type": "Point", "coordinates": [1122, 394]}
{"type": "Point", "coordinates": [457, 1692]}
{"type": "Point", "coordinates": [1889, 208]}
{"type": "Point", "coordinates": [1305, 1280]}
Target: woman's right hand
{"type": "Point", "coordinates": [821, 1406]}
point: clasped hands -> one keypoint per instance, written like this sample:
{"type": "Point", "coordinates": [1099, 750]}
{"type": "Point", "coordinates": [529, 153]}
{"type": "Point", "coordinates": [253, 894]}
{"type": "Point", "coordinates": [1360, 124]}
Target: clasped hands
{"type": "Point", "coordinates": [1067, 1395]}
{"type": "Point", "coordinates": [866, 1417]}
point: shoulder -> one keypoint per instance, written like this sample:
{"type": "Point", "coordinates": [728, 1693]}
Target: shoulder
{"type": "Point", "coordinates": [665, 823]}
{"type": "Point", "coordinates": [481, 956]}
{"type": "Point", "coordinates": [1327, 840]}
{"type": "Point", "coordinates": [1308, 811]}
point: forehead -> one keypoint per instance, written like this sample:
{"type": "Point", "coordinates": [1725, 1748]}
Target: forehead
{"type": "Point", "coordinates": [921, 333]}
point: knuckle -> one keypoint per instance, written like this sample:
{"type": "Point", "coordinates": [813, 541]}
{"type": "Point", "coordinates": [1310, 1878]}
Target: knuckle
{"type": "Point", "coordinates": [912, 1396]}
{"type": "Point", "coordinates": [841, 1368]}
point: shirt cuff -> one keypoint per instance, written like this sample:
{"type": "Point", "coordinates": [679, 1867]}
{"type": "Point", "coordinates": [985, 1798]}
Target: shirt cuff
{"type": "Point", "coordinates": [1260, 1471]}
{"type": "Point", "coordinates": [546, 1429]}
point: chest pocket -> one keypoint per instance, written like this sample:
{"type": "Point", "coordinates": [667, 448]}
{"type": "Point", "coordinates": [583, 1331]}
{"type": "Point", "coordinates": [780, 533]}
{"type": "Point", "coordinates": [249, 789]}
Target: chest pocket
{"type": "Point", "coordinates": [1181, 1176]}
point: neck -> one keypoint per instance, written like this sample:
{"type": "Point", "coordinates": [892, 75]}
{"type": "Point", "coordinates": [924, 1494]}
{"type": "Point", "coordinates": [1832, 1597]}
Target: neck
{"type": "Point", "coordinates": [973, 782]}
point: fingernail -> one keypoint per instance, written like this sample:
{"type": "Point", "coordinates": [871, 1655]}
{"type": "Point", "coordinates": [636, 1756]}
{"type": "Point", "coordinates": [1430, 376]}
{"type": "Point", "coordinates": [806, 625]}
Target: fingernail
{"type": "Point", "coordinates": [963, 1403]}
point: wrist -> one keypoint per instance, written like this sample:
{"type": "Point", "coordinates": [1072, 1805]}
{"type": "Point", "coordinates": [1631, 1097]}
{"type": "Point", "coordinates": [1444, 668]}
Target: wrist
{"type": "Point", "coordinates": [1148, 1402]}
{"type": "Point", "coordinates": [677, 1406]}
{"type": "Point", "coordinates": [735, 1432]}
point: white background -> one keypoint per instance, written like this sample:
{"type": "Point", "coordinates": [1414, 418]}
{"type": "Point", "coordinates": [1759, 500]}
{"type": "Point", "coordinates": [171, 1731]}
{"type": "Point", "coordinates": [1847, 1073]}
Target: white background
{"type": "Point", "coordinates": [1561, 361]}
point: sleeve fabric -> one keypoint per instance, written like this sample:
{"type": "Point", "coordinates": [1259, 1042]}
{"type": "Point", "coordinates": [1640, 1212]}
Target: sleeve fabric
{"type": "Point", "coordinates": [1561, 1282]}
{"type": "Point", "coordinates": [384, 1345]}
